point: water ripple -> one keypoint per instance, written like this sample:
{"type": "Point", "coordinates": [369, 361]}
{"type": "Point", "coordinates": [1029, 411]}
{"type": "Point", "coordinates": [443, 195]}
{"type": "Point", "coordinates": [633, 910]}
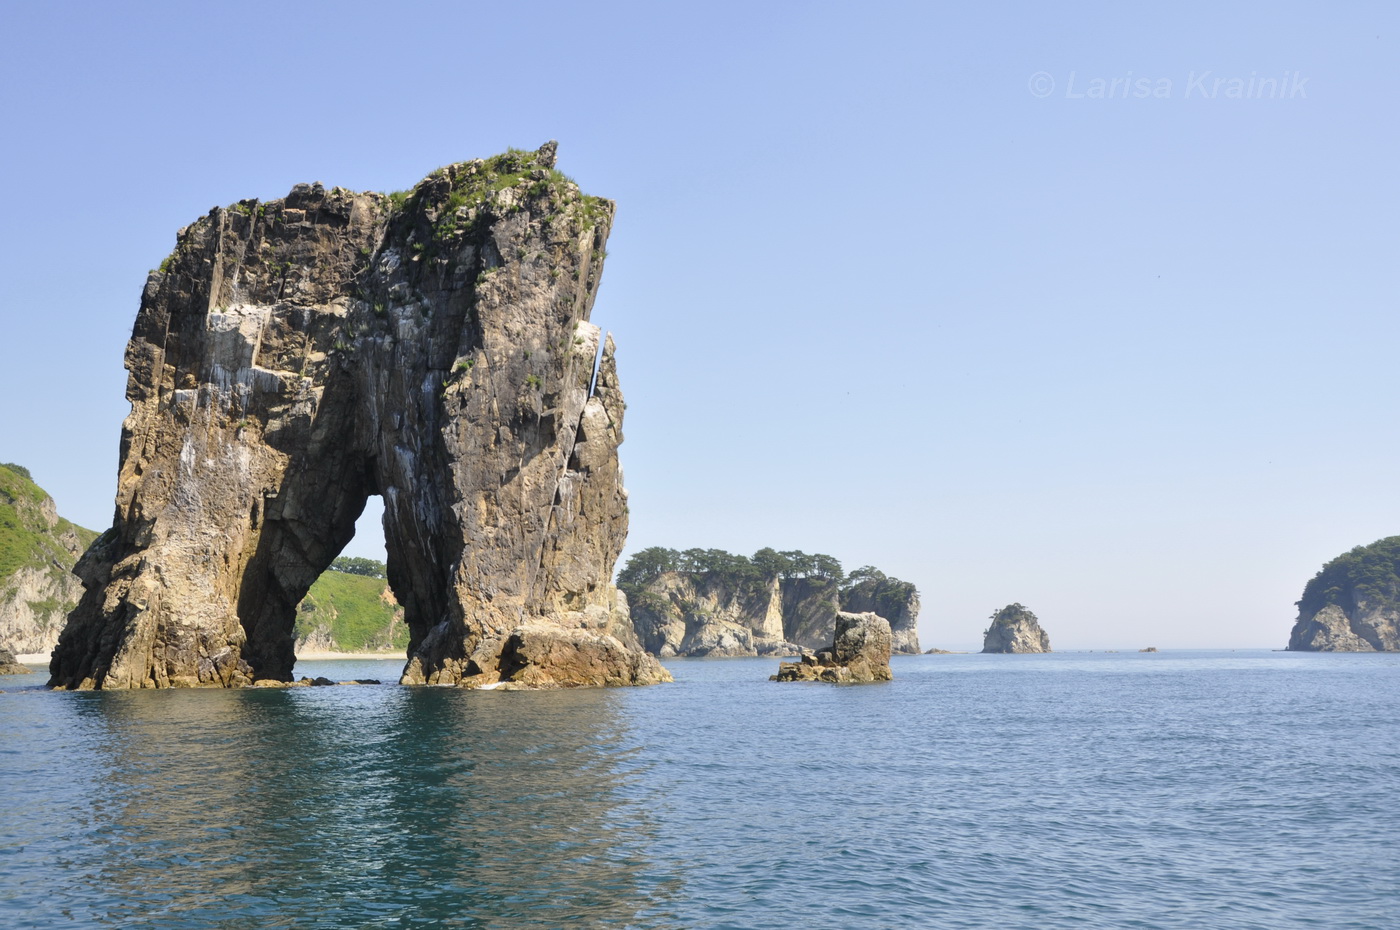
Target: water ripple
{"type": "Point", "coordinates": [1231, 791]}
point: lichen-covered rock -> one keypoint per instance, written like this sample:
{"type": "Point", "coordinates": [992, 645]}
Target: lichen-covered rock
{"type": "Point", "coordinates": [292, 358]}
{"type": "Point", "coordinates": [9, 665]}
{"type": "Point", "coordinates": [1015, 629]}
{"type": "Point", "coordinates": [1353, 603]}
{"type": "Point", "coordinates": [859, 653]}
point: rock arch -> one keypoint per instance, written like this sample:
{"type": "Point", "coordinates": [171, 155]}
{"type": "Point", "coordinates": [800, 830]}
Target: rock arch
{"type": "Point", "coordinates": [293, 357]}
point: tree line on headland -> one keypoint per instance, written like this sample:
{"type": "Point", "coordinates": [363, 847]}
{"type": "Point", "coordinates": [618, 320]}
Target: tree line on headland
{"type": "Point", "coordinates": [764, 565]}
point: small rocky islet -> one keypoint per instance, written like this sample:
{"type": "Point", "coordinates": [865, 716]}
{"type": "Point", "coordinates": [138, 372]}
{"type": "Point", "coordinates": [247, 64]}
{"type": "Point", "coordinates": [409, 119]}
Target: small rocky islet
{"type": "Point", "coordinates": [1014, 629]}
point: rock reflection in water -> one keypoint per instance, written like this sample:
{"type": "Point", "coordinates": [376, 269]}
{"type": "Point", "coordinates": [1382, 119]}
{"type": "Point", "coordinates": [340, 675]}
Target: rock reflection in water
{"type": "Point", "coordinates": [368, 806]}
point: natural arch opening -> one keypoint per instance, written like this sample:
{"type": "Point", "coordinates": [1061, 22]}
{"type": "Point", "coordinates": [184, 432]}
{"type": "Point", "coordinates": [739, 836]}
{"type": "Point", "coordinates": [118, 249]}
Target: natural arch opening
{"type": "Point", "coordinates": [351, 607]}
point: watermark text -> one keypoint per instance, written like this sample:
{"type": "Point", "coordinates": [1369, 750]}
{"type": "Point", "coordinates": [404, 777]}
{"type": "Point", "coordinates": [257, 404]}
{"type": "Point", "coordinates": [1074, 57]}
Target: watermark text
{"type": "Point", "coordinates": [1194, 85]}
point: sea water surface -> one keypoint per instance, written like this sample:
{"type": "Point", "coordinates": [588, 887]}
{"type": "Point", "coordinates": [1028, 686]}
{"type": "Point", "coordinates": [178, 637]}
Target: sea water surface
{"type": "Point", "coordinates": [1171, 790]}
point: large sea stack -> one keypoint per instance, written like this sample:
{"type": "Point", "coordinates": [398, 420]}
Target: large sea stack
{"type": "Point", "coordinates": [292, 358]}
{"type": "Point", "coordinates": [1353, 603]}
{"type": "Point", "coordinates": [1015, 629]}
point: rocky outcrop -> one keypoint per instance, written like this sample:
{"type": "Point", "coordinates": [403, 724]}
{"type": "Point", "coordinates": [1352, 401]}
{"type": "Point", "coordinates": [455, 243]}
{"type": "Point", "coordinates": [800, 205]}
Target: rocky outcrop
{"type": "Point", "coordinates": [9, 665]}
{"type": "Point", "coordinates": [860, 652]}
{"type": "Point", "coordinates": [1353, 603]}
{"type": "Point", "coordinates": [1015, 629]}
{"type": "Point", "coordinates": [292, 358]}
{"type": "Point", "coordinates": [37, 551]}
{"type": "Point", "coordinates": [703, 614]}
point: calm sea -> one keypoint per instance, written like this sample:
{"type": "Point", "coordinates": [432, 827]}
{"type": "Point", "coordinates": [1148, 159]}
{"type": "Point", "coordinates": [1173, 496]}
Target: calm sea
{"type": "Point", "coordinates": [1176, 790]}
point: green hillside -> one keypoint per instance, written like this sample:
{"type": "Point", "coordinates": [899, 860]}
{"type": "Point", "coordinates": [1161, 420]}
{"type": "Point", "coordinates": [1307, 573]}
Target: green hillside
{"type": "Point", "coordinates": [353, 609]}
{"type": "Point", "coordinates": [27, 540]}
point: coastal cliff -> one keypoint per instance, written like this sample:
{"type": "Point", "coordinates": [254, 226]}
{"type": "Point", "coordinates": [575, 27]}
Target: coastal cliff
{"type": "Point", "coordinates": [1015, 629]}
{"type": "Point", "coordinates": [1353, 603]}
{"type": "Point", "coordinates": [38, 549]}
{"type": "Point", "coordinates": [292, 358]}
{"type": "Point", "coordinates": [702, 614]}
{"type": "Point", "coordinates": [707, 602]}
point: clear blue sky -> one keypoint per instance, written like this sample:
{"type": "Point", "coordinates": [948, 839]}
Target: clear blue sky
{"type": "Point", "coordinates": [888, 281]}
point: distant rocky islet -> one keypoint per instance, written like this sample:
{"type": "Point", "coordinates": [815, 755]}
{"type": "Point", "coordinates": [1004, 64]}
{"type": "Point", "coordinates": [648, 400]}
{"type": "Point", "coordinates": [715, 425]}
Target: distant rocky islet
{"type": "Point", "coordinates": [1014, 629]}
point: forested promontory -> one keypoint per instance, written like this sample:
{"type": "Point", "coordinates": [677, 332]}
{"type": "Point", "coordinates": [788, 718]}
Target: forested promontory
{"type": "Point", "coordinates": [709, 602]}
{"type": "Point", "coordinates": [1353, 603]}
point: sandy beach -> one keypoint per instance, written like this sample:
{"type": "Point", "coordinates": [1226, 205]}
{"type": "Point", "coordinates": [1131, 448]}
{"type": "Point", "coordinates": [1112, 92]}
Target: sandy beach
{"type": "Point", "coordinates": [343, 656]}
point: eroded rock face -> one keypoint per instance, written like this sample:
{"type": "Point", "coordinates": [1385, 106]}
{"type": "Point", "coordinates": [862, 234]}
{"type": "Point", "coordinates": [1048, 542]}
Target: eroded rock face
{"type": "Point", "coordinates": [1015, 629]}
{"type": "Point", "coordinates": [860, 652]}
{"type": "Point", "coordinates": [292, 358]}
{"type": "Point", "coordinates": [1367, 627]}
{"type": "Point", "coordinates": [699, 614]}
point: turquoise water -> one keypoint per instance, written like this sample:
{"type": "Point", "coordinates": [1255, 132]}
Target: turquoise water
{"type": "Point", "coordinates": [1176, 790]}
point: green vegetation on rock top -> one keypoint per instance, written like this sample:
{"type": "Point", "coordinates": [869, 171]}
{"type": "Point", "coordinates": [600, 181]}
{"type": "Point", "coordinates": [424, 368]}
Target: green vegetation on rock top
{"type": "Point", "coordinates": [1372, 570]}
{"type": "Point", "coordinates": [762, 567]}
{"type": "Point", "coordinates": [1011, 613]}
{"type": "Point", "coordinates": [352, 565]}
{"type": "Point", "coordinates": [26, 540]}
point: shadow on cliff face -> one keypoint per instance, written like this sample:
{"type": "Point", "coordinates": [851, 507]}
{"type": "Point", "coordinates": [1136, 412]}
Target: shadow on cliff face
{"type": "Point", "coordinates": [359, 806]}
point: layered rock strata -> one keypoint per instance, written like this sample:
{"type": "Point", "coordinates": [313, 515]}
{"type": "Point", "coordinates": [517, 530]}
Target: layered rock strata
{"type": "Point", "coordinates": [1015, 629]}
{"type": "Point", "coordinates": [1353, 603]}
{"type": "Point", "coordinates": [292, 358]}
{"type": "Point", "coordinates": [860, 652]}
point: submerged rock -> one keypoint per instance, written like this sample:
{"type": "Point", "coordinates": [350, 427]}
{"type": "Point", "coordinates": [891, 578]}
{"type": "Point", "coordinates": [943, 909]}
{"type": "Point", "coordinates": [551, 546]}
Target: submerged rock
{"type": "Point", "coordinates": [1353, 603]}
{"type": "Point", "coordinates": [859, 653]}
{"type": "Point", "coordinates": [1015, 629]}
{"type": "Point", "coordinates": [292, 358]}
